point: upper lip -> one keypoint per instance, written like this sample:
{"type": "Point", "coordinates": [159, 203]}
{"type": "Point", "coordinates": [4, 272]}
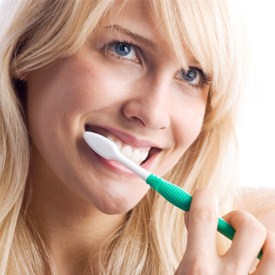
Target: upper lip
{"type": "Point", "coordinates": [126, 138]}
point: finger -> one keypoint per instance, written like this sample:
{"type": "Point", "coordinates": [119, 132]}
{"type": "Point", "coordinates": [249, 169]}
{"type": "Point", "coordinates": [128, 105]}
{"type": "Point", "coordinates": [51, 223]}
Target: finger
{"type": "Point", "coordinates": [200, 255]}
{"type": "Point", "coordinates": [202, 224]}
{"type": "Point", "coordinates": [267, 263]}
{"type": "Point", "coordinates": [247, 242]}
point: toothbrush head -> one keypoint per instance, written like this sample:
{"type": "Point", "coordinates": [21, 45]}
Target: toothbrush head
{"type": "Point", "coordinates": [101, 145]}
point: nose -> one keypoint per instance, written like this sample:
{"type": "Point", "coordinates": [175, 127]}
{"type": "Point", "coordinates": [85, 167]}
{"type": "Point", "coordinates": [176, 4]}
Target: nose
{"type": "Point", "coordinates": [149, 104]}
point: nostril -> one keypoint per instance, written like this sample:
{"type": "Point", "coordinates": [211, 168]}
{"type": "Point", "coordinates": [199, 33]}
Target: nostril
{"type": "Point", "coordinates": [138, 121]}
{"type": "Point", "coordinates": [147, 113]}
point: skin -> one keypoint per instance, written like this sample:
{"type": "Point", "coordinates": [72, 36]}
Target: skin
{"type": "Point", "coordinates": [251, 235]}
{"type": "Point", "coordinates": [141, 98]}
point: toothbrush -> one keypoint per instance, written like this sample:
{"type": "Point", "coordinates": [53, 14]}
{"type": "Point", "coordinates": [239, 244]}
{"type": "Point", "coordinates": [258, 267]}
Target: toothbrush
{"type": "Point", "coordinates": [171, 192]}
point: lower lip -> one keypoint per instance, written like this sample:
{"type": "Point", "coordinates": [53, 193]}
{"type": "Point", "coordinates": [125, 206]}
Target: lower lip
{"type": "Point", "coordinates": [115, 166]}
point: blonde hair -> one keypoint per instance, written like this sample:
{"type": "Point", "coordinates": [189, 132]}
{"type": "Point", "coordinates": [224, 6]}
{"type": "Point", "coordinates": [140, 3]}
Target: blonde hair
{"type": "Point", "coordinates": [152, 240]}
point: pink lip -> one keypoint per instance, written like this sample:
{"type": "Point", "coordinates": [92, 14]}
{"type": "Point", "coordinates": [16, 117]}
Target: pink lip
{"type": "Point", "coordinates": [120, 168]}
{"type": "Point", "coordinates": [116, 166]}
{"type": "Point", "coordinates": [135, 142]}
{"type": "Point", "coordinates": [126, 138]}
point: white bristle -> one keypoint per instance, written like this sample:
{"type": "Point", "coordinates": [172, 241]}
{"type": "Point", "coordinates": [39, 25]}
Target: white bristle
{"type": "Point", "coordinates": [108, 150]}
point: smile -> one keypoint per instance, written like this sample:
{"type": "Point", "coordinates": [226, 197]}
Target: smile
{"type": "Point", "coordinates": [138, 154]}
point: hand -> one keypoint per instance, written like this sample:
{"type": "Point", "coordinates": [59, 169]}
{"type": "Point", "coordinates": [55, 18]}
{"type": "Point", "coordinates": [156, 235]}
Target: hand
{"type": "Point", "coordinates": [201, 257]}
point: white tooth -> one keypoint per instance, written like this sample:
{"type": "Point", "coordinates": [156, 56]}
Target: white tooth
{"type": "Point", "coordinates": [111, 139]}
{"type": "Point", "coordinates": [126, 151]}
{"type": "Point", "coordinates": [119, 144]}
{"type": "Point", "coordinates": [136, 155]}
{"type": "Point", "coordinates": [144, 155]}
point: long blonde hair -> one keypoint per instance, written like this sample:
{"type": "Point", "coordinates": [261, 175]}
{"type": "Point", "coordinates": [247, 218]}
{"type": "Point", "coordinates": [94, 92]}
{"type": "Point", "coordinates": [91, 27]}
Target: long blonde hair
{"type": "Point", "coordinates": [152, 240]}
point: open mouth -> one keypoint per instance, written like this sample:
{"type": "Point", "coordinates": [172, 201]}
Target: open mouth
{"type": "Point", "coordinates": [137, 154]}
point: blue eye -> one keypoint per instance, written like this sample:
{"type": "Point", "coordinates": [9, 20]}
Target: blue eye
{"type": "Point", "coordinates": [190, 76]}
{"type": "Point", "coordinates": [123, 50]}
{"type": "Point", "coordinates": [193, 76]}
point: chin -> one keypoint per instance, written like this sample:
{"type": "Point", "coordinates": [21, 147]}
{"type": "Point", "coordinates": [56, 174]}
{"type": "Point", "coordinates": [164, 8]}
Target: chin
{"type": "Point", "coordinates": [114, 208]}
{"type": "Point", "coordinates": [114, 205]}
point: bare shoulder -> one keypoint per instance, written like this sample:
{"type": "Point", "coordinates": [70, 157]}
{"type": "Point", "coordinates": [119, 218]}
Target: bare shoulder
{"type": "Point", "coordinates": [260, 203]}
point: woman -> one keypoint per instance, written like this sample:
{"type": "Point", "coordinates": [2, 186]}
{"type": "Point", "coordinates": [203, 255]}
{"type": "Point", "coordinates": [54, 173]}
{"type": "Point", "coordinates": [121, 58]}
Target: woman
{"type": "Point", "coordinates": [161, 79]}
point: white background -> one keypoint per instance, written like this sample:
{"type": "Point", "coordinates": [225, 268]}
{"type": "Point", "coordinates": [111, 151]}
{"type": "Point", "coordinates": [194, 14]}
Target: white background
{"type": "Point", "coordinates": [257, 123]}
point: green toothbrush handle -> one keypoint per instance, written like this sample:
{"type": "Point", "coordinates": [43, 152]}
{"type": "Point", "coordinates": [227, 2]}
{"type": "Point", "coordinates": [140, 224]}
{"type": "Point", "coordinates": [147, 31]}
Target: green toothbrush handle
{"type": "Point", "coordinates": [180, 198]}
{"type": "Point", "coordinates": [171, 192]}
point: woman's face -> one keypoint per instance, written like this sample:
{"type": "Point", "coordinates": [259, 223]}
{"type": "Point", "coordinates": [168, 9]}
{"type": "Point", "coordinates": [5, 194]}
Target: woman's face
{"type": "Point", "coordinates": [125, 83]}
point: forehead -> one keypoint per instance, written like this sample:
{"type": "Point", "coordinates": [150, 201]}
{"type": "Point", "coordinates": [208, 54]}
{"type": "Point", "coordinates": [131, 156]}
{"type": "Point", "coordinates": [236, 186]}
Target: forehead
{"type": "Point", "coordinates": [131, 13]}
{"type": "Point", "coordinates": [138, 17]}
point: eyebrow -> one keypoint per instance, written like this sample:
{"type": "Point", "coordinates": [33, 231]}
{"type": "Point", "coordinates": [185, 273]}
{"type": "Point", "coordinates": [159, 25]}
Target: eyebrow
{"type": "Point", "coordinates": [133, 35]}
{"type": "Point", "coordinates": [143, 40]}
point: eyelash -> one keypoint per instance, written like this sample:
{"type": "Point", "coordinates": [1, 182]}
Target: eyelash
{"type": "Point", "coordinates": [204, 79]}
{"type": "Point", "coordinates": [107, 49]}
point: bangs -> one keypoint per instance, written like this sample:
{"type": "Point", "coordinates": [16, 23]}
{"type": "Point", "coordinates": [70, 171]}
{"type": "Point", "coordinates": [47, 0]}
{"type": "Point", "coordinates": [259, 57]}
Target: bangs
{"type": "Point", "coordinates": [201, 30]}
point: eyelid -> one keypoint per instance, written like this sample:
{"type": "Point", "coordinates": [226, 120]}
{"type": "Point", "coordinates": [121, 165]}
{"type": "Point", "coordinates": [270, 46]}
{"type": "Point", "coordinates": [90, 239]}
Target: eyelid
{"type": "Point", "coordinates": [205, 75]}
{"type": "Point", "coordinates": [200, 70]}
{"type": "Point", "coordinates": [203, 81]}
{"type": "Point", "coordinates": [134, 46]}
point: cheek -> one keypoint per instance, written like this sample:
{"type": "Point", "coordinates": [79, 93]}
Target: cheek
{"type": "Point", "coordinates": [64, 92]}
{"type": "Point", "coordinates": [102, 83]}
{"type": "Point", "coordinates": [188, 114]}
{"type": "Point", "coordinates": [42, 100]}
{"type": "Point", "coordinates": [188, 126]}
{"type": "Point", "coordinates": [52, 104]}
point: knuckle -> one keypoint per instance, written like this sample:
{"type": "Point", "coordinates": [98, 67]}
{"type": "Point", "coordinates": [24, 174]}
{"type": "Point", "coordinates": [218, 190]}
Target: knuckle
{"type": "Point", "coordinates": [252, 226]}
{"type": "Point", "coordinates": [241, 217]}
{"type": "Point", "coordinates": [205, 215]}
{"type": "Point", "coordinates": [235, 269]}
{"type": "Point", "coordinates": [197, 266]}
{"type": "Point", "coordinates": [259, 231]}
